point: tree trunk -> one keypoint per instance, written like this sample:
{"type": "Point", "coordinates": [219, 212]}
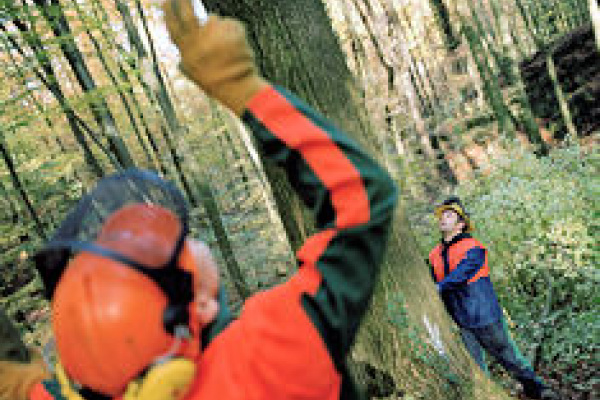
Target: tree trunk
{"type": "Point", "coordinates": [160, 92]}
{"type": "Point", "coordinates": [560, 97]}
{"type": "Point", "coordinates": [14, 176]}
{"type": "Point", "coordinates": [49, 79]}
{"type": "Point", "coordinates": [442, 18]}
{"type": "Point", "coordinates": [595, 15]}
{"type": "Point", "coordinates": [511, 71]}
{"type": "Point", "coordinates": [491, 90]}
{"type": "Point", "coordinates": [55, 16]}
{"type": "Point", "coordinates": [109, 38]}
{"type": "Point", "coordinates": [12, 347]}
{"type": "Point", "coordinates": [296, 47]}
{"type": "Point", "coordinates": [116, 84]}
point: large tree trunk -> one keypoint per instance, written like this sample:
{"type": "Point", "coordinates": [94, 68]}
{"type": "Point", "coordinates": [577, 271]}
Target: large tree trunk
{"type": "Point", "coordinates": [296, 47]}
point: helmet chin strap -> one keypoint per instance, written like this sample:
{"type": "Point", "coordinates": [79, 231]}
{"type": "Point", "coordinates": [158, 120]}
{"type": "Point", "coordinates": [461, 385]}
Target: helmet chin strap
{"type": "Point", "coordinates": [182, 333]}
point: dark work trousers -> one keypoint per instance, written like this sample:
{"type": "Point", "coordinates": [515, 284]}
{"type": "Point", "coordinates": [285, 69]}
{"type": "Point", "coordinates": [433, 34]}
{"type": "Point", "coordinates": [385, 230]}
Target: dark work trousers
{"type": "Point", "coordinates": [496, 340]}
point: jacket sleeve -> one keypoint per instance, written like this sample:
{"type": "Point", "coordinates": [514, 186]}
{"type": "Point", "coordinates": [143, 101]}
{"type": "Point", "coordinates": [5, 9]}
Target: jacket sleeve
{"type": "Point", "coordinates": [352, 199]}
{"type": "Point", "coordinates": [465, 270]}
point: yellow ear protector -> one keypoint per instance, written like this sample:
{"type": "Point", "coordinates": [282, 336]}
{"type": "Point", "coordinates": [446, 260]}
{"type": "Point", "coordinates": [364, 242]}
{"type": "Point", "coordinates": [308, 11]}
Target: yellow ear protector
{"type": "Point", "coordinates": [168, 378]}
{"type": "Point", "coordinates": [168, 381]}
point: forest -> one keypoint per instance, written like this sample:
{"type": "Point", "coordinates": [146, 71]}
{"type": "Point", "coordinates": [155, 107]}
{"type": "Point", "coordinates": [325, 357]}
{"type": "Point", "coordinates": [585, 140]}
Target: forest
{"type": "Point", "coordinates": [495, 101]}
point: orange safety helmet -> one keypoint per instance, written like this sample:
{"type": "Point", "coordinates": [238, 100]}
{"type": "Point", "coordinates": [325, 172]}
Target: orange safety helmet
{"type": "Point", "coordinates": [108, 319]}
{"type": "Point", "coordinates": [117, 304]}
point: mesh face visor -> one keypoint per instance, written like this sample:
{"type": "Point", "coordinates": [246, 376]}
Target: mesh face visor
{"type": "Point", "coordinates": [133, 217]}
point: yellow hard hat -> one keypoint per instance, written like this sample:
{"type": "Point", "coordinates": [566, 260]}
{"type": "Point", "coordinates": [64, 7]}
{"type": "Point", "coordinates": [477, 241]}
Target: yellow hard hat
{"type": "Point", "coordinates": [453, 203]}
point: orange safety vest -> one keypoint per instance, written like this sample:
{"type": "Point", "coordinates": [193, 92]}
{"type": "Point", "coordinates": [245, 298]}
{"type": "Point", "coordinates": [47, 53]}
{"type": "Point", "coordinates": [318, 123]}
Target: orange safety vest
{"type": "Point", "coordinates": [456, 253]}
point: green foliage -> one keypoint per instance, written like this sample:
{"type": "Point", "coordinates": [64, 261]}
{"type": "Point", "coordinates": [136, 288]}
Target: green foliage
{"type": "Point", "coordinates": [539, 219]}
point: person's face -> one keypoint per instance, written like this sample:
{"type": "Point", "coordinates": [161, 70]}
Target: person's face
{"type": "Point", "coordinates": [449, 221]}
{"type": "Point", "coordinates": [207, 282]}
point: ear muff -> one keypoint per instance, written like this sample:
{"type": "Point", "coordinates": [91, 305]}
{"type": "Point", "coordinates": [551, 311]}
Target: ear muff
{"type": "Point", "coordinates": [165, 381]}
{"type": "Point", "coordinates": [169, 380]}
{"type": "Point", "coordinates": [66, 388]}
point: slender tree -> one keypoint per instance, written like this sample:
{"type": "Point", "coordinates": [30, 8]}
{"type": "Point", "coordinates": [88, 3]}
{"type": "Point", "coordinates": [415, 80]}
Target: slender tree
{"type": "Point", "coordinates": [442, 18]}
{"type": "Point", "coordinates": [115, 83]}
{"type": "Point", "coordinates": [541, 42]}
{"type": "Point", "coordinates": [53, 12]}
{"type": "Point", "coordinates": [48, 77]}
{"type": "Point", "coordinates": [18, 185]}
{"type": "Point", "coordinates": [595, 14]}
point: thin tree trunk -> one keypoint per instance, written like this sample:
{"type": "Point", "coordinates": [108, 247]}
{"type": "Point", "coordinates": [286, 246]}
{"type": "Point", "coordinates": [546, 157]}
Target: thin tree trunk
{"type": "Point", "coordinates": [49, 79]}
{"type": "Point", "coordinates": [558, 92]}
{"type": "Point", "coordinates": [560, 97]}
{"type": "Point", "coordinates": [491, 90]}
{"type": "Point", "coordinates": [166, 106]}
{"type": "Point", "coordinates": [512, 71]}
{"type": "Point", "coordinates": [595, 16]}
{"type": "Point", "coordinates": [106, 34]}
{"type": "Point", "coordinates": [115, 83]}
{"type": "Point", "coordinates": [14, 176]}
{"type": "Point", "coordinates": [442, 18]}
{"type": "Point", "coordinates": [54, 14]}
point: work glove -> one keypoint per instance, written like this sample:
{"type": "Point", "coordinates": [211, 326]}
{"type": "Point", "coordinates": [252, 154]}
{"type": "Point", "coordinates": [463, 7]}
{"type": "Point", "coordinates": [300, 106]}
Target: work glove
{"type": "Point", "coordinates": [216, 56]}
{"type": "Point", "coordinates": [17, 378]}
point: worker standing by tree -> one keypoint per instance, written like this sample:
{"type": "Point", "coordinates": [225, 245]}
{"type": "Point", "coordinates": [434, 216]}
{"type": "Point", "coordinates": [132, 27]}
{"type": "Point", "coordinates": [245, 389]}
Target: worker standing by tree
{"type": "Point", "coordinates": [459, 266]}
{"type": "Point", "coordinates": [136, 306]}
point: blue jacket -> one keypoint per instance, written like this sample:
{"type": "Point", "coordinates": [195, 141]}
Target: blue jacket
{"type": "Point", "coordinates": [461, 273]}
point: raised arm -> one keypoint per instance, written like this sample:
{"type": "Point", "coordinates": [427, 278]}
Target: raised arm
{"type": "Point", "coordinates": [298, 330]}
{"type": "Point", "coordinates": [352, 198]}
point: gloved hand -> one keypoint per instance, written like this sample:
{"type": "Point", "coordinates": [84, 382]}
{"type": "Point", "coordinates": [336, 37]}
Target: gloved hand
{"type": "Point", "coordinates": [217, 56]}
{"type": "Point", "coordinates": [17, 379]}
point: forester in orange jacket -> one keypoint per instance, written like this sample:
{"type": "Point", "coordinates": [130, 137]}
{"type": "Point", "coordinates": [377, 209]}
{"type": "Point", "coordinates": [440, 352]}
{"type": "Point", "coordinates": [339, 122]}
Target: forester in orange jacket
{"type": "Point", "coordinates": [459, 267]}
{"type": "Point", "coordinates": [136, 308]}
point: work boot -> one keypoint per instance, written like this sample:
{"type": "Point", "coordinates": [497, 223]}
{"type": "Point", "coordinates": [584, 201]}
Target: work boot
{"type": "Point", "coordinates": [535, 389]}
{"type": "Point", "coordinates": [541, 393]}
